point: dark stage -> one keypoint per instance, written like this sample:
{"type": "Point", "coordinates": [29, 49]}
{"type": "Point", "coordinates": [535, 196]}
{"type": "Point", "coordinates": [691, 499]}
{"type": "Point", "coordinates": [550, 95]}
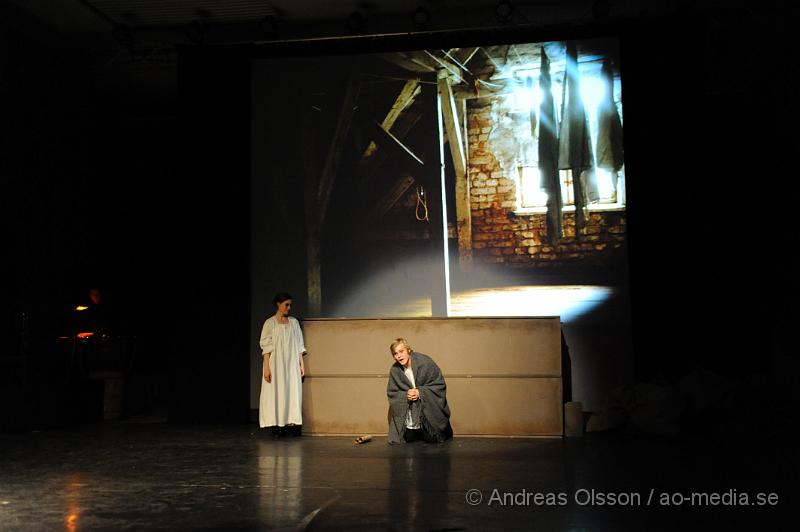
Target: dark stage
{"type": "Point", "coordinates": [192, 167]}
{"type": "Point", "coordinates": [157, 476]}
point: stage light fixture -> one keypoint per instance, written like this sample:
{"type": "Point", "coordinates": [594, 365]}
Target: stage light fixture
{"type": "Point", "coordinates": [421, 17]}
{"type": "Point", "coordinates": [503, 11]}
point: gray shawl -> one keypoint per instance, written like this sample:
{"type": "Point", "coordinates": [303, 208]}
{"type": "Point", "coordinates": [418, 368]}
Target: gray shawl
{"type": "Point", "coordinates": [431, 411]}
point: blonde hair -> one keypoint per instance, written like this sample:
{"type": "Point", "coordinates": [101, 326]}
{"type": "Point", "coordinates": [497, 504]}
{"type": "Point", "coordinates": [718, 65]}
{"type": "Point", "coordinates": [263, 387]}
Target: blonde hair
{"type": "Point", "coordinates": [397, 342]}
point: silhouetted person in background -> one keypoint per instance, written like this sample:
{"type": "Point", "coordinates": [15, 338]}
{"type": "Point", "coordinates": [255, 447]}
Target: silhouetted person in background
{"type": "Point", "coordinates": [95, 316]}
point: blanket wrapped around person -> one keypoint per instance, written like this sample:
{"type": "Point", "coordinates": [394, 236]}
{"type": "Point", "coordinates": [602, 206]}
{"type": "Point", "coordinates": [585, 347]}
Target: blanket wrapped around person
{"type": "Point", "coordinates": [430, 412]}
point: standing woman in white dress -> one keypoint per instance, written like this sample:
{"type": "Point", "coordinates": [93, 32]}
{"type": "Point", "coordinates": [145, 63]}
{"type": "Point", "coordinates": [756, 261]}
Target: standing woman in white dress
{"type": "Point", "coordinates": [282, 347]}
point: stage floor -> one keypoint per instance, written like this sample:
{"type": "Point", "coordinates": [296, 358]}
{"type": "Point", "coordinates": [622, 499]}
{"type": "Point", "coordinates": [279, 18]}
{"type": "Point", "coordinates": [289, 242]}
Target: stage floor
{"type": "Point", "coordinates": [128, 476]}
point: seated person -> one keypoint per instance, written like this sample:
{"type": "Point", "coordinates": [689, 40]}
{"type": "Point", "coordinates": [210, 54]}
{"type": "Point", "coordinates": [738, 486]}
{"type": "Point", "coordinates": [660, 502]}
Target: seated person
{"type": "Point", "coordinates": [417, 397]}
{"type": "Point", "coordinates": [97, 316]}
{"type": "Point", "coordinates": [92, 318]}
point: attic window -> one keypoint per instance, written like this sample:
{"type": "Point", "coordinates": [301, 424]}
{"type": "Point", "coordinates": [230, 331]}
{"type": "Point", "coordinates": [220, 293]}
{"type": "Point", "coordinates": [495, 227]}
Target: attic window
{"type": "Point", "coordinates": [605, 190]}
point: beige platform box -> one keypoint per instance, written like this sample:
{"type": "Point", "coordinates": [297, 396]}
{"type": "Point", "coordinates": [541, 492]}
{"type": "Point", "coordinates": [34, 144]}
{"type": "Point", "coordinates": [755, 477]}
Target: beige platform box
{"type": "Point", "coordinates": [503, 374]}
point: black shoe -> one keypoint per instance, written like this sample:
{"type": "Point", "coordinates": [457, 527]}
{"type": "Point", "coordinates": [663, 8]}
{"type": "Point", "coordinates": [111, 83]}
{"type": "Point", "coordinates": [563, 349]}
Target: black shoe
{"type": "Point", "coordinates": [276, 431]}
{"type": "Point", "coordinates": [295, 430]}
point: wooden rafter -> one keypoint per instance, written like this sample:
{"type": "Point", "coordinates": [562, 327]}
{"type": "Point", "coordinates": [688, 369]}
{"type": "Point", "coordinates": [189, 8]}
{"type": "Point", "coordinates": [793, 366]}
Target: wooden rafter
{"type": "Point", "coordinates": [452, 128]}
{"type": "Point", "coordinates": [312, 225]}
{"type": "Point", "coordinates": [450, 119]}
{"type": "Point", "coordinates": [439, 63]}
{"type": "Point", "coordinates": [464, 55]}
{"type": "Point", "coordinates": [318, 189]}
{"type": "Point", "coordinates": [403, 61]}
{"type": "Point", "coordinates": [368, 167]}
{"type": "Point", "coordinates": [390, 142]}
{"type": "Point", "coordinates": [494, 87]}
{"type": "Point", "coordinates": [424, 62]}
{"type": "Point", "coordinates": [410, 90]}
{"type": "Point", "coordinates": [334, 155]}
{"type": "Point", "coordinates": [393, 195]}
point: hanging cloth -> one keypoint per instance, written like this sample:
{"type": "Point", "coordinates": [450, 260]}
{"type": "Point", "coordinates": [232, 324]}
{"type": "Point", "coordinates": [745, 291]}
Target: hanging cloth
{"type": "Point", "coordinates": [609, 127]}
{"type": "Point", "coordinates": [574, 142]}
{"type": "Point", "coordinates": [548, 153]}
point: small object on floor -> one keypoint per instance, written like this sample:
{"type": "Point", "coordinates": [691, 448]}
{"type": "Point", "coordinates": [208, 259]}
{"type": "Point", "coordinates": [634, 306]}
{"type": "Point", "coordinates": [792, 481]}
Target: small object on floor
{"type": "Point", "coordinates": [363, 439]}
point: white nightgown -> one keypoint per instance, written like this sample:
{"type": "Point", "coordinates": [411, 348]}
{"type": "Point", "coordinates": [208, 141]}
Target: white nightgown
{"type": "Point", "coordinates": [281, 401]}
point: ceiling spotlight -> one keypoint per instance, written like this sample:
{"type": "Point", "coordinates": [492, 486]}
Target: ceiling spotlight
{"type": "Point", "coordinates": [503, 11]}
{"type": "Point", "coordinates": [421, 17]}
{"type": "Point", "coordinates": [355, 22]}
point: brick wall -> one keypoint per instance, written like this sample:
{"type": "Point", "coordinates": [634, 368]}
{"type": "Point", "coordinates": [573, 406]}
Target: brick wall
{"type": "Point", "coordinates": [520, 240]}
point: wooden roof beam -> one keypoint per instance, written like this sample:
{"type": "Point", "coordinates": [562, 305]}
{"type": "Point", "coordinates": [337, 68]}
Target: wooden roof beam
{"type": "Point", "coordinates": [393, 144]}
{"type": "Point", "coordinates": [452, 129]}
{"type": "Point", "coordinates": [393, 195]}
{"type": "Point", "coordinates": [400, 59]}
{"type": "Point", "coordinates": [410, 90]}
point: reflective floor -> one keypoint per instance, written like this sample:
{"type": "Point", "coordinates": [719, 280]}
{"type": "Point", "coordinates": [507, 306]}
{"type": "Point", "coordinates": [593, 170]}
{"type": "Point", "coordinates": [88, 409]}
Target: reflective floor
{"type": "Point", "coordinates": [125, 476]}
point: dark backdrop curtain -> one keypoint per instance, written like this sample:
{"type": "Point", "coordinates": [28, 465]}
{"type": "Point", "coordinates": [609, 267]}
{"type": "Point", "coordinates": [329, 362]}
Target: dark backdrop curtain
{"type": "Point", "coordinates": [209, 362]}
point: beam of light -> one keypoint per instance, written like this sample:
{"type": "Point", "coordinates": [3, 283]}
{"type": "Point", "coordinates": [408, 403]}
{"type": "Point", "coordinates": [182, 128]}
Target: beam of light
{"type": "Point", "coordinates": [81, 307]}
{"type": "Point", "coordinates": [592, 92]}
{"type": "Point", "coordinates": [443, 187]}
{"type": "Point", "coordinates": [567, 301]}
{"type": "Point", "coordinates": [605, 184]}
{"type": "Point", "coordinates": [401, 290]}
{"type": "Point", "coordinates": [532, 193]}
{"type": "Point", "coordinates": [526, 98]}
{"type": "Point", "coordinates": [393, 293]}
